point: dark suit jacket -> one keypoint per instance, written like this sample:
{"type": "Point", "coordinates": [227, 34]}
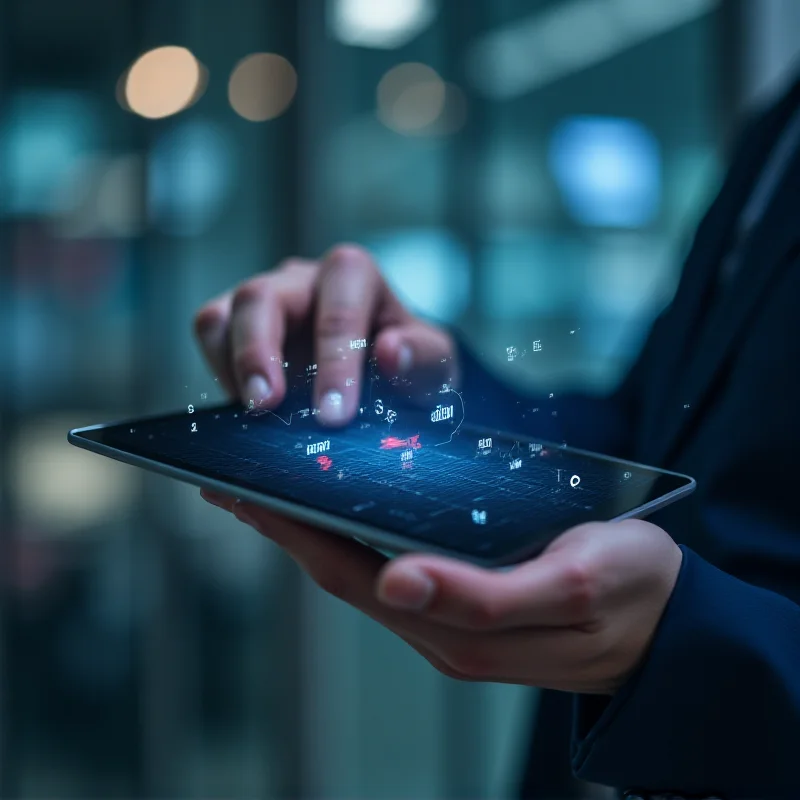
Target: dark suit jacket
{"type": "Point", "coordinates": [715, 708]}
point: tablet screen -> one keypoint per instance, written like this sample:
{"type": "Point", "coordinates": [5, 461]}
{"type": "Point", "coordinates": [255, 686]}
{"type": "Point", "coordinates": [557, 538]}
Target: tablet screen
{"type": "Point", "coordinates": [423, 475]}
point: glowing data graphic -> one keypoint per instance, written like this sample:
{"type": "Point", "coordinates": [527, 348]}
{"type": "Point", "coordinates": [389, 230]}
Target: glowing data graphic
{"type": "Point", "coordinates": [421, 470]}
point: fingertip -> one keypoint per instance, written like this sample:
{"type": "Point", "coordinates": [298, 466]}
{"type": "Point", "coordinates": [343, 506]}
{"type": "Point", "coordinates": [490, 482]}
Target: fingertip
{"type": "Point", "coordinates": [217, 499]}
{"type": "Point", "coordinates": [333, 409]}
{"type": "Point", "coordinates": [263, 390]}
{"type": "Point", "coordinates": [257, 390]}
{"type": "Point", "coordinates": [337, 397]}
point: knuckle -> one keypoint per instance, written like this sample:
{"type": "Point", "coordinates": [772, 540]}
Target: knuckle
{"type": "Point", "coordinates": [339, 321]}
{"type": "Point", "coordinates": [253, 291]}
{"type": "Point", "coordinates": [293, 264]}
{"type": "Point", "coordinates": [484, 616]}
{"type": "Point", "coordinates": [581, 587]}
{"type": "Point", "coordinates": [208, 318]}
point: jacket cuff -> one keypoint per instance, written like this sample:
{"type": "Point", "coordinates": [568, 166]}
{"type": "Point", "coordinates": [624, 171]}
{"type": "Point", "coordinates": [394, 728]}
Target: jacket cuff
{"type": "Point", "coordinates": [717, 678]}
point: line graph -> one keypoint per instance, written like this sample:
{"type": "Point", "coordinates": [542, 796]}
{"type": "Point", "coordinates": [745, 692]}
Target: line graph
{"type": "Point", "coordinates": [303, 413]}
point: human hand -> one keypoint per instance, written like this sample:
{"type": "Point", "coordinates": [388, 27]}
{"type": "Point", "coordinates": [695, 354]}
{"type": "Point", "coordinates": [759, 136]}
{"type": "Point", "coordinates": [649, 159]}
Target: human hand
{"type": "Point", "coordinates": [578, 618]}
{"type": "Point", "coordinates": [310, 311]}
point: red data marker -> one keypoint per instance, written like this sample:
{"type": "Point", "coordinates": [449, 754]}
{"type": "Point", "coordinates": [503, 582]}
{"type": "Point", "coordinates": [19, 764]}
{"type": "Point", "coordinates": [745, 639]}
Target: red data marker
{"type": "Point", "coordinates": [393, 443]}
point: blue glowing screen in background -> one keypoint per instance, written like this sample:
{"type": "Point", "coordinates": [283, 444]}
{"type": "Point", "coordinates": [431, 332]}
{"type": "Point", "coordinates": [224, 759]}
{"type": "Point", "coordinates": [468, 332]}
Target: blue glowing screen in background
{"type": "Point", "coordinates": [608, 171]}
{"type": "Point", "coordinates": [428, 269]}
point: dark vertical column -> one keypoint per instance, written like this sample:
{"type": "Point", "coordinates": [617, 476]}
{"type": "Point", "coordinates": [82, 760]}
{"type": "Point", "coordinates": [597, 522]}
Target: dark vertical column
{"type": "Point", "coordinates": [286, 171]}
{"type": "Point", "coordinates": [462, 24]}
{"type": "Point", "coordinates": [165, 640]}
{"type": "Point", "coordinates": [316, 92]}
{"type": "Point", "coordinates": [134, 17]}
{"type": "Point", "coordinates": [287, 168]}
{"type": "Point", "coordinates": [7, 771]}
{"type": "Point", "coordinates": [313, 117]}
{"type": "Point", "coordinates": [292, 183]}
{"type": "Point", "coordinates": [11, 702]}
{"type": "Point", "coordinates": [726, 65]}
{"type": "Point", "coordinates": [465, 705]}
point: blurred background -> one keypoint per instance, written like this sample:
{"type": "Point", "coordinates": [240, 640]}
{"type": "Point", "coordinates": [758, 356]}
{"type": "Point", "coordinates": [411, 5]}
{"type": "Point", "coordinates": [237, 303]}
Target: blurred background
{"type": "Point", "coordinates": [522, 169]}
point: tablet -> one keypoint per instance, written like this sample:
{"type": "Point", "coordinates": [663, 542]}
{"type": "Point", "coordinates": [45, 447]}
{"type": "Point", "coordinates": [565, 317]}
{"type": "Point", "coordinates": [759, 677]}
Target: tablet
{"type": "Point", "coordinates": [399, 481]}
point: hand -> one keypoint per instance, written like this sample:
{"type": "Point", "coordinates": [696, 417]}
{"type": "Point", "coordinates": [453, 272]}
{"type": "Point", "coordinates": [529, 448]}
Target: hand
{"type": "Point", "coordinates": [578, 618]}
{"type": "Point", "coordinates": [310, 311]}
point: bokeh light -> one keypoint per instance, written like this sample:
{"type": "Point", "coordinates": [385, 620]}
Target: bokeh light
{"type": "Point", "coordinates": [262, 86]}
{"type": "Point", "coordinates": [163, 82]}
{"type": "Point", "coordinates": [379, 23]}
{"type": "Point", "coordinates": [411, 98]}
{"type": "Point", "coordinates": [608, 171]}
{"type": "Point", "coordinates": [61, 489]}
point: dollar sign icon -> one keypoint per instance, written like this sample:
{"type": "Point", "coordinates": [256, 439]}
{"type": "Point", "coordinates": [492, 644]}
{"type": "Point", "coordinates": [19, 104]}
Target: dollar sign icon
{"type": "Point", "coordinates": [379, 407]}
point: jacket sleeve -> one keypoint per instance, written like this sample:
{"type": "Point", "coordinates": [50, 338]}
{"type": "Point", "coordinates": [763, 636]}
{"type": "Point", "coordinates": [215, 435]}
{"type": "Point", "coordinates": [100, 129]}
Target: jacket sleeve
{"type": "Point", "coordinates": [715, 707]}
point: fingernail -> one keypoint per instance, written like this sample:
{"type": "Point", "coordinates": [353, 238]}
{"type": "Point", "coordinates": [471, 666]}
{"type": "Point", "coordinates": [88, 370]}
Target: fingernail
{"type": "Point", "coordinates": [216, 500]}
{"type": "Point", "coordinates": [257, 389]}
{"type": "Point", "coordinates": [409, 590]}
{"type": "Point", "coordinates": [332, 407]}
{"type": "Point", "coordinates": [404, 359]}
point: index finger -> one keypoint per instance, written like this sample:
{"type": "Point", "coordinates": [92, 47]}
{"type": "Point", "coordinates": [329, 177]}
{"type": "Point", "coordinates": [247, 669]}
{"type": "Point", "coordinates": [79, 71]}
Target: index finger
{"type": "Point", "coordinates": [349, 293]}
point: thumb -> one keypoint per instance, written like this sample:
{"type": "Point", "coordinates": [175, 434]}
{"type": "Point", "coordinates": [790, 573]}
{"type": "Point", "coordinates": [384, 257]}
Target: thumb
{"type": "Point", "coordinates": [424, 355]}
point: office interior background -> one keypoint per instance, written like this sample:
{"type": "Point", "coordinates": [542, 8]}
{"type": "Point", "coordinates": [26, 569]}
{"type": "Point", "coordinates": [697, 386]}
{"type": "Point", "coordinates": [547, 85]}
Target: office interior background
{"type": "Point", "coordinates": [521, 169]}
